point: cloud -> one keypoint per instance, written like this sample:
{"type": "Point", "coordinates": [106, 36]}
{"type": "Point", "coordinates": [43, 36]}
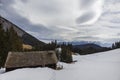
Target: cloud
{"type": "Point", "coordinates": [58, 12]}
{"type": "Point", "coordinates": [50, 12]}
{"type": "Point", "coordinates": [7, 2]}
{"type": "Point", "coordinates": [118, 34]}
{"type": "Point", "coordinates": [65, 20]}
{"type": "Point", "coordinates": [117, 21]}
{"type": "Point", "coordinates": [112, 1]}
{"type": "Point", "coordinates": [24, 1]}
{"type": "Point", "coordinates": [85, 17]}
{"type": "Point", "coordinates": [92, 10]}
{"type": "Point", "coordinates": [87, 38]}
{"type": "Point", "coordinates": [86, 3]}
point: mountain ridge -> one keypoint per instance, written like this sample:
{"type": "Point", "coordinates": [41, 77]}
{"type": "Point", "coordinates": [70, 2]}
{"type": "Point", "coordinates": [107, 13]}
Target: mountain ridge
{"type": "Point", "coordinates": [88, 42]}
{"type": "Point", "coordinates": [26, 37]}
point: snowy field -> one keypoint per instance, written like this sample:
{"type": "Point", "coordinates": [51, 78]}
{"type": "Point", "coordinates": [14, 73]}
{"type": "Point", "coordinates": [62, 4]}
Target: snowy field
{"type": "Point", "coordinates": [100, 66]}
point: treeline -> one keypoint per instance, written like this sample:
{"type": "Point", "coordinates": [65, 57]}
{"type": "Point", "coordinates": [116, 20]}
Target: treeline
{"type": "Point", "coordinates": [116, 45]}
{"type": "Point", "coordinates": [66, 53]}
{"type": "Point", "coordinates": [9, 41]}
{"type": "Point", "coordinates": [89, 50]}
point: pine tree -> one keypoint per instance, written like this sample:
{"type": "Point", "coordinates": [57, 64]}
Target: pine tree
{"type": "Point", "coordinates": [9, 41]}
{"type": "Point", "coordinates": [1, 43]}
{"type": "Point", "coordinates": [3, 51]}
{"type": "Point", "coordinates": [116, 45]}
{"type": "Point", "coordinates": [113, 46]}
{"type": "Point", "coordinates": [66, 55]}
{"type": "Point", "coordinates": [14, 40]}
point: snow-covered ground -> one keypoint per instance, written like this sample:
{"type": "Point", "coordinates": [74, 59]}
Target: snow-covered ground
{"type": "Point", "coordinates": [100, 66]}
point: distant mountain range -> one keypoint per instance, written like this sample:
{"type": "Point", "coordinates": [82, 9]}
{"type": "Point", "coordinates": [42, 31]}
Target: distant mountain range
{"type": "Point", "coordinates": [84, 46]}
{"type": "Point", "coordinates": [26, 38]}
{"type": "Point", "coordinates": [88, 42]}
{"type": "Point", "coordinates": [89, 48]}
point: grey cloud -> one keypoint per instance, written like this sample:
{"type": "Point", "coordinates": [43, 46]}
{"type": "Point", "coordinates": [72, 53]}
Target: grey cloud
{"type": "Point", "coordinates": [106, 13]}
{"type": "Point", "coordinates": [85, 17]}
{"type": "Point", "coordinates": [112, 40]}
{"type": "Point", "coordinates": [49, 7]}
{"type": "Point", "coordinates": [87, 37]}
{"type": "Point", "coordinates": [116, 12]}
{"type": "Point", "coordinates": [24, 1]}
{"type": "Point", "coordinates": [116, 20]}
{"type": "Point", "coordinates": [90, 14]}
{"type": "Point", "coordinates": [7, 2]}
{"type": "Point", "coordinates": [48, 39]}
{"type": "Point", "coordinates": [82, 32]}
{"type": "Point", "coordinates": [86, 3]}
{"type": "Point", "coordinates": [112, 1]}
{"type": "Point", "coordinates": [110, 26]}
{"type": "Point", "coordinates": [118, 34]}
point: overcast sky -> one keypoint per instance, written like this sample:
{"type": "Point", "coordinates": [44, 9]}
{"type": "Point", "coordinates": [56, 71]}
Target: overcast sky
{"type": "Point", "coordinates": [65, 20]}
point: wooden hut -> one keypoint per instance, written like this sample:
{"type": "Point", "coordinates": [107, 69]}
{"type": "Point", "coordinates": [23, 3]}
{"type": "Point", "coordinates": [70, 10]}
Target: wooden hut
{"type": "Point", "coordinates": [17, 60]}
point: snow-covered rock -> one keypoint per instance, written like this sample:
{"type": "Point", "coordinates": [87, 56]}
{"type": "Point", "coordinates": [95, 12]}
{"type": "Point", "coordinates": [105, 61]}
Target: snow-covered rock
{"type": "Point", "coordinates": [2, 70]}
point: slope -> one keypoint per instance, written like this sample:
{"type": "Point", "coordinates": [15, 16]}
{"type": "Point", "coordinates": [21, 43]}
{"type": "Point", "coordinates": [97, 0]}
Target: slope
{"type": "Point", "coordinates": [100, 66]}
{"type": "Point", "coordinates": [27, 38]}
